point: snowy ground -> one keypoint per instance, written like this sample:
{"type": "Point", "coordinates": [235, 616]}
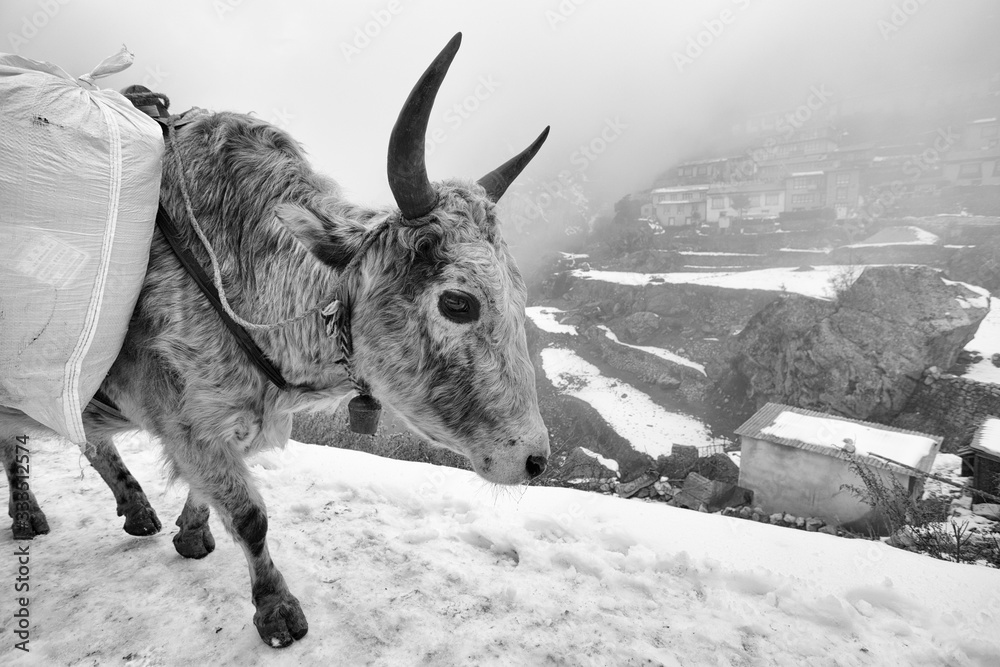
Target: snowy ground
{"type": "Point", "coordinates": [544, 318]}
{"type": "Point", "coordinates": [632, 414]}
{"type": "Point", "coordinates": [817, 283]}
{"type": "Point", "coordinates": [892, 236]}
{"type": "Point", "coordinates": [405, 563]}
{"type": "Point", "coordinates": [986, 343]}
{"type": "Point", "coordinates": [656, 351]}
{"type": "Point", "coordinates": [696, 253]}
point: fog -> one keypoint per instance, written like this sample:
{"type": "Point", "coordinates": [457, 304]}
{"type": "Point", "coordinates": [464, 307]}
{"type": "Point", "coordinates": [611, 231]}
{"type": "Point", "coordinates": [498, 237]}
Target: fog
{"type": "Point", "coordinates": [629, 88]}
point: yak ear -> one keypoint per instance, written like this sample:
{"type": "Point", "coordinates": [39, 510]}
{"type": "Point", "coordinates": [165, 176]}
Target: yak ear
{"type": "Point", "coordinates": [332, 242]}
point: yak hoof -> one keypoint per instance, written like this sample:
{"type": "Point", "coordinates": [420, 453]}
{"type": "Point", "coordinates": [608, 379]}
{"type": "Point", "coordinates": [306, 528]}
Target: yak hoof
{"type": "Point", "coordinates": [195, 542]}
{"type": "Point", "coordinates": [142, 521]}
{"type": "Point", "coordinates": [279, 621]}
{"type": "Point", "coordinates": [26, 528]}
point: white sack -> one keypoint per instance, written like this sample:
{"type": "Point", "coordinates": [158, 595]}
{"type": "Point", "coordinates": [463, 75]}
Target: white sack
{"type": "Point", "coordinates": [79, 185]}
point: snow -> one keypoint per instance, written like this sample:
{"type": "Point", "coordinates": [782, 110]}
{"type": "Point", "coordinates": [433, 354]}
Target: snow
{"type": "Point", "coordinates": [697, 253]}
{"type": "Point", "coordinates": [631, 413]}
{"type": "Point", "coordinates": [657, 351]}
{"type": "Point", "coordinates": [988, 437]}
{"type": "Point", "coordinates": [717, 268]}
{"type": "Point", "coordinates": [825, 251]}
{"type": "Point", "coordinates": [815, 283]}
{"type": "Point", "coordinates": [981, 301]}
{"type": "Point", "coordinates": [893, 236]}
{"type": "Point", "coordinates": [948, 466]}
{"type": "Point", "coordinates": [407, 563]}
{"type": "Point", "coordinates": [545, 319]}
{"type": "Point", "coordinates": [898, 447]}
{"type": "Point", "coordinates": [573, 255]}
{"type": "Point", "coordinates": [610, 464]}
{"type": "Point", "coordinates": [987, 343]}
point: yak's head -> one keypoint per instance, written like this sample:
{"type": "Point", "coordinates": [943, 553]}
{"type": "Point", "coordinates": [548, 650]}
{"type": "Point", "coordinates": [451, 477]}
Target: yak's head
{"type": "Point", "coordinates": [437, 303]}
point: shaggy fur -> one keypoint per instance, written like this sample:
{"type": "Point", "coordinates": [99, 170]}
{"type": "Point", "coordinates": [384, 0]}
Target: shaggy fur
{"type": "Point", "coordinates": [282, 233]}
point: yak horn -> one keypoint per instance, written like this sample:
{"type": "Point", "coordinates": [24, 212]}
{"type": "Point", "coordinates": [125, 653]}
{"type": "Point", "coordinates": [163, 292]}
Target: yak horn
{"type": "Point", "coordinates": [497, 181]}
{"type": "Point", "coordinates": [407, 170]}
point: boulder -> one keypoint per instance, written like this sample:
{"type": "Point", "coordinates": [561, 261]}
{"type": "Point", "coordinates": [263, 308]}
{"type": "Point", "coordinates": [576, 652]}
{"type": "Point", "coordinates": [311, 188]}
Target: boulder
{"type": "Point", "coordinates": [860, 356]}
{"type": "Point", "coordinates": [634, 486]}
{"type": "Point", "coordinates": [701, 492]}
{"type": "Point", "coordinates": [642, 326]}
{"type": "Point", "coordinates": [682, 460]}
{"type": "Point", "coordinates": [718, 467]}
{"type": "Point", "coordinates": [582, 463]}
{"type": "Point", "coordinates": [668, 382]}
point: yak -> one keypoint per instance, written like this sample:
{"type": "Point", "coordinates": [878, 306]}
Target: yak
{"type": "Point", "coordinates": [430, 290]}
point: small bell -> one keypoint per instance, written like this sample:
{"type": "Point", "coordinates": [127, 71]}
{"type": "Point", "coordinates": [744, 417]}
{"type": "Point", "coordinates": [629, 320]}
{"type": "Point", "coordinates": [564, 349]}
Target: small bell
{"type": "Point", "coordinates": [364, 412]}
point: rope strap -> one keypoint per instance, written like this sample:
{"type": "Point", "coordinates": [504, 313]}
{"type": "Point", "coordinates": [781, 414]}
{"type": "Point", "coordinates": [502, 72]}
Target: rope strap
{"type": "Point", "coordinates": [336, 314]}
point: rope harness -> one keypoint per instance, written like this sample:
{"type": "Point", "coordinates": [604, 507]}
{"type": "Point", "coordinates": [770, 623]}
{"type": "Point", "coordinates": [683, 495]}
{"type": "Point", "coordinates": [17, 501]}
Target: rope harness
{"type": "Point", "coordinates": [363, 409]}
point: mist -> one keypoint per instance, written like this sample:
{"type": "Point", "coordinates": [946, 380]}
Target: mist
{"type": "Point", "coordinates": [629, 88]}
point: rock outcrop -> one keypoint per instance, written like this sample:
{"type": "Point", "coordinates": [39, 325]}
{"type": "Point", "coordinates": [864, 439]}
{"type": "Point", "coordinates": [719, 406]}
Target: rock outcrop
{"type": "Point", "coordinates": [860, 356]}
{"type": "Point", "coordinates": [642, 326]}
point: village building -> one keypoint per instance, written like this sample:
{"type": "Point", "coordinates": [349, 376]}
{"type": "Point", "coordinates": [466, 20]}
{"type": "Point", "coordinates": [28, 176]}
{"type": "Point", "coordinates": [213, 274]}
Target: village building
{"type": "Point", "coordinates": [800, 462]}
{"type": "Point", "coordinates": [760, 201]}
{"type": "Point", "coordinates": [679, 205]}
{"type": "Point", "coordinates": [982, 459]}
{"type": "Point", "coordinates": [843, 191]}
{"type": "Point", "coordinates": [805, 191]}
{"type": "Point", "coordinates": [975, 167]}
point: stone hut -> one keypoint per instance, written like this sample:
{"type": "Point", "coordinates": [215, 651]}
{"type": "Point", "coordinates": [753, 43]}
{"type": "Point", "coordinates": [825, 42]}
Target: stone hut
{"type": "Point", "coordinates": [799, 462]}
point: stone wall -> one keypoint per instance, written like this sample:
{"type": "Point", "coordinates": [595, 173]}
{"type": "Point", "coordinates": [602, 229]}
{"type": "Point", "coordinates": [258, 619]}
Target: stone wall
{"type": "Point", "coordinates": [950, 406]}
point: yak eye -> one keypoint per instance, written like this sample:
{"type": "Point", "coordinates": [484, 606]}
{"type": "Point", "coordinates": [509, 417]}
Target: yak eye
{"type": "Point", "coordinates": [459, 307]}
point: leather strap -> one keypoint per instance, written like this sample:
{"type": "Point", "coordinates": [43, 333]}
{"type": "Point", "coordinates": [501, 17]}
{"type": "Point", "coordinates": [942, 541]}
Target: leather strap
{"type": "Point", "coordinates": [204, 283]}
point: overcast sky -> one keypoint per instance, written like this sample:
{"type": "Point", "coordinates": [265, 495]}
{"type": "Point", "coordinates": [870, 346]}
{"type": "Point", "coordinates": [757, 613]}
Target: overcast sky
{"type": "Point", "coordinates": [620, 76]}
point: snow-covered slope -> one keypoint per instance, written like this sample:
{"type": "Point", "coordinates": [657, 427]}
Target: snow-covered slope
{"type": "Point", "coordinates": [986, 343]}
{"type": "Point", "coordinates": [816, 283]}
{"type": "Point", "coordinates": [404, 563]}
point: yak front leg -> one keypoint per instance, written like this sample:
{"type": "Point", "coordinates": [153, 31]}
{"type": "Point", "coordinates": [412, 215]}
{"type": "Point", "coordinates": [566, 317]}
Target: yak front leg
{"type": "Point", "coordinates": [29, 520]}
{"type": "Point", "coordinates": [140, 519]}
{"type": "Point", "coordinates": [224, 480]}
{"type": "Point", "coordinates": [194, 540]}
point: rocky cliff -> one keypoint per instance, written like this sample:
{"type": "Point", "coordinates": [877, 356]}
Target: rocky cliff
{"type": "Point", "coordinates": [860, 356]}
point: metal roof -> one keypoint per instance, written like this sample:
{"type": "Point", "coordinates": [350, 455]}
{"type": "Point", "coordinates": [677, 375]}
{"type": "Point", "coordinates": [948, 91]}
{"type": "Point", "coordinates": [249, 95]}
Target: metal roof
{"type": "Point", "coordinates": [681, 188]}
{"type": "Point", "coordinates": [987, 438]}
{"type": "Point", "coordinates": [765, 417]}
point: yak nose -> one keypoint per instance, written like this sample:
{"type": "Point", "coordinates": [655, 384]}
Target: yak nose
{"type": "Point", "coordinates": [535, 465]}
